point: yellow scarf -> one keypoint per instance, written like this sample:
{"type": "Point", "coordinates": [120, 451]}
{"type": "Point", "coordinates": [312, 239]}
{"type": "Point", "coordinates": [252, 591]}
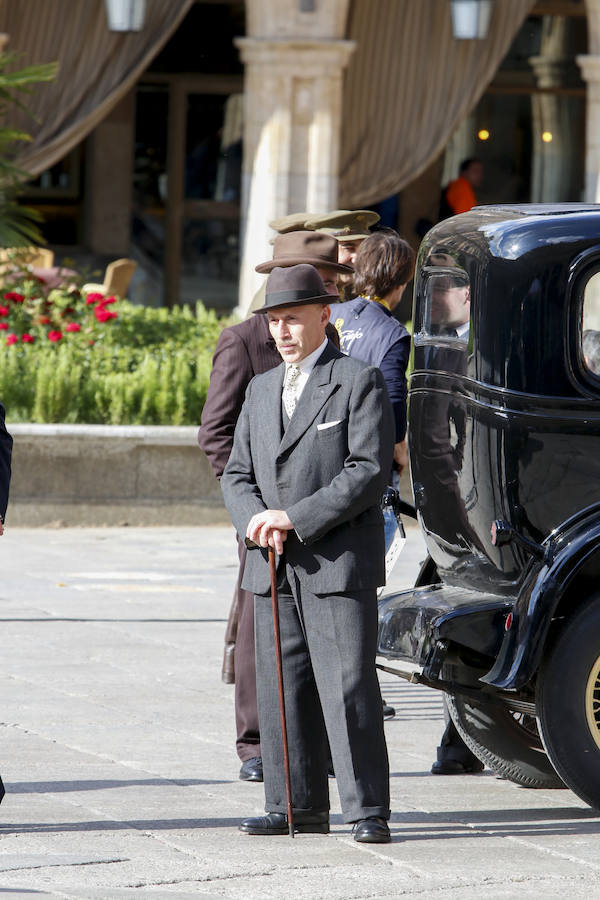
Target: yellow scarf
{"type": "Point", "coordinates": [376, 299]}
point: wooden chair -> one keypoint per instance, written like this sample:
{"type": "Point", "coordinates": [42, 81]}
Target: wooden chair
{"type": "Point", "coordinates": [116, 279]}
{"type": "Point", "coordinates": [41, 258]}
{"type": "Point", "coordinates": [28, 256]}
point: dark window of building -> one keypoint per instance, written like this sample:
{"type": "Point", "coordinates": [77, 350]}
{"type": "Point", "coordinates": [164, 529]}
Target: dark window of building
{"type": "Point", "coordinates": [529, 126]}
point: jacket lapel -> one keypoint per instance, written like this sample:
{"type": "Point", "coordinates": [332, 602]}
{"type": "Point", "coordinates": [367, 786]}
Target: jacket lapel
{"type": "Point", "coordinates": [317, 391]}
{"type": "Point", "coordinates": [269, 406]}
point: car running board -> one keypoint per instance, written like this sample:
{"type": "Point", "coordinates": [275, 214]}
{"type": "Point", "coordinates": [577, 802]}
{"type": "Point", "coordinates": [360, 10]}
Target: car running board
{"type": "Point", "coordinates": [479, 695]}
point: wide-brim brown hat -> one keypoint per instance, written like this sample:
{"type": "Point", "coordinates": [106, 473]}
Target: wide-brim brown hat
{"type": "Point", "coordinates": [294, 286]}
{"type": "Point", "coordinates": [298, 247]}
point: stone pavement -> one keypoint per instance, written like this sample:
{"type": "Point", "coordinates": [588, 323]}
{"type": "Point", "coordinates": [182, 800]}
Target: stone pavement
{"type": "Point", "coordinates": [119, 762]}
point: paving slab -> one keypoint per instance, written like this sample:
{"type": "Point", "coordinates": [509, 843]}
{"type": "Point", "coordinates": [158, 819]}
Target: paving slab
{"type": "Point", "coordinates": [118, 753]}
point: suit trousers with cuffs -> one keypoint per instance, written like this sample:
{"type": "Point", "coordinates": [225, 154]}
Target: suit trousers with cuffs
{"type": "Point", "coordinates": [331, 691]}
{"type": "Point", "coordinates": [246, 709]}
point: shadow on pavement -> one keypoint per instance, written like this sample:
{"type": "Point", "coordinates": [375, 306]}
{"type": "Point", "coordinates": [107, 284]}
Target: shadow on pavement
{"type": "Point", "coordinates": [417, 826]}
{"type": "Point", "coordinates": [51, 619]}
{"type": "Point", "coordinates": [503, 822]}
{"type": "Point", "coordinates": [57, 787]}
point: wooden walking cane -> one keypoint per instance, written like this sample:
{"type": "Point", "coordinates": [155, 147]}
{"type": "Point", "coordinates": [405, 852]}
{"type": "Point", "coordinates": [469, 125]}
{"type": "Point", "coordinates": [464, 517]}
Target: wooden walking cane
{"type": "Point", "coordinates": [286, 758]}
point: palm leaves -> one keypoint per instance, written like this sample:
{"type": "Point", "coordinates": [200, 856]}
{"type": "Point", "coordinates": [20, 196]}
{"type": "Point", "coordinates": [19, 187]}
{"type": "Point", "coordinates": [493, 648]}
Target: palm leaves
{"type": "Point", "coordinates": [18, 224]}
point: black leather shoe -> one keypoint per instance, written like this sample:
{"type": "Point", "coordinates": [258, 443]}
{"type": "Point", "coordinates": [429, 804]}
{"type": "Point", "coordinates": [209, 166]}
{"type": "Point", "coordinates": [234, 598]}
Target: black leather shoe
{"type": "Point", "coordinates": [277, 823]}
{"type": "Point", "coordinates": [388, 711]}
{"type": "Point", "coordinates": [252, 769]}
{"type": "Point", "coordinates": [373, 830]}
{"type": "Point", "coordinates": [448, 766]}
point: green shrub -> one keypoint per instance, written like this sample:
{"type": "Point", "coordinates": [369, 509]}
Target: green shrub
{"type": "Point", "coordinates": [162, 384]}
{"type": "Point", "coordinates": [68, 357]}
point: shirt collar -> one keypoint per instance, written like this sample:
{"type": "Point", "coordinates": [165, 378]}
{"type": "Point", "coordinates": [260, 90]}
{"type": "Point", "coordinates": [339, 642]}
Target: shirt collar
{"type": "Point", "coordinates": [307, 364]}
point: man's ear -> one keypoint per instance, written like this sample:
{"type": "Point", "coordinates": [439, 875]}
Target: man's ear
{"type": "Point", "coordinates": [325, 314]}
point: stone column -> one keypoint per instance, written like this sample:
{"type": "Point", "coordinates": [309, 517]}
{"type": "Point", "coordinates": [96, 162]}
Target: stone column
{"type": "Point", "coordinates": [590, 71]}
{"type": "Point", "coordinates": [461, 146]}
{"type": "Point", "coordinates": [109, 181]}
{"type": "Point", "coordinates": [293, 108]}
{"type": "Point", "coordinates": [553, 161]}
{"type": "Point", "coordinates": [554, 164]}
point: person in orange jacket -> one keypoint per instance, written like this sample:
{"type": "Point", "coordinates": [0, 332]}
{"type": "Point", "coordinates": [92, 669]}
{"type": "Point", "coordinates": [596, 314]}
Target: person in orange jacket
{"type": "Point", "coordinates": [459, 195]}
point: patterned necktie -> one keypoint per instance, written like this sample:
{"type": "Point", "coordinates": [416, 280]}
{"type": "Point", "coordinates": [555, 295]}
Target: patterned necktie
{"type": "Point", "coordinates": [290, 389]}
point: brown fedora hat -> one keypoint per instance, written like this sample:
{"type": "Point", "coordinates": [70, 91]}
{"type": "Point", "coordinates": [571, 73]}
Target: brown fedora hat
{"type": "Point", "coordinates": [294, 286]}
{"type": "Point", "coordinates": [297, 247]}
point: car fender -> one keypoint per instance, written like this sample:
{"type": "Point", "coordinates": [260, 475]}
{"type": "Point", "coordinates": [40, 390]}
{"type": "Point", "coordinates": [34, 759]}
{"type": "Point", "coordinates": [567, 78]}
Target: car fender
{"type": "Point", "coordinates": [568, 548]}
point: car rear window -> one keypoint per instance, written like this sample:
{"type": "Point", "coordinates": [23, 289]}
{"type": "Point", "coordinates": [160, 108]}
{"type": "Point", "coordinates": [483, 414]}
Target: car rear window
{"type": "Point", "coordinates": [447, 308]}
{"type": "Point", "coordinates": [590, 326]}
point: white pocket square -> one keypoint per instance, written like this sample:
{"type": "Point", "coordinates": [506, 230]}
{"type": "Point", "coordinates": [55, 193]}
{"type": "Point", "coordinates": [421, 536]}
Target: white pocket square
{"type": "Point", "coordinates": [324, 425]}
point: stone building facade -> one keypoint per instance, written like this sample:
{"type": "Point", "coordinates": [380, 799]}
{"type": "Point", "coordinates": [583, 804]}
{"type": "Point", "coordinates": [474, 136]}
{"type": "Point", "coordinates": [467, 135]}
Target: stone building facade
{"type": "Point", "coordinates": [163, 177]}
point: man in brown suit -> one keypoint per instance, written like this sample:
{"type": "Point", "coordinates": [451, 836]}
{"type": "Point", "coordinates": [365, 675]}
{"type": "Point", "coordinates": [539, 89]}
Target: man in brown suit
{"type": "Point", "coordinates": [243, 351]}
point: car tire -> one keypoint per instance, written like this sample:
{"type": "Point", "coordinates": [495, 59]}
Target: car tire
{"type": "Point", "coordinates": [505, 741]}
{"type": "Point", "coordinates": [568, 702]}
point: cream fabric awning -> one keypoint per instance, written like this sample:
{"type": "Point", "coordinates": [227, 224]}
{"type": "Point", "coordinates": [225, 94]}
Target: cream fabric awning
{"type": "Point", "coordinates": [408, 86]}
{"type": "Point", "coordinates": [97, 67]}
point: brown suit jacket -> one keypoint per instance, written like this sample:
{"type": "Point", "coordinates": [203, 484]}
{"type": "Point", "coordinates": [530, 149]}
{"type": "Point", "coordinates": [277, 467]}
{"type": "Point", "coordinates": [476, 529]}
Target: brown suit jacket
{"type": "Point", "coordinates": [242, 351]}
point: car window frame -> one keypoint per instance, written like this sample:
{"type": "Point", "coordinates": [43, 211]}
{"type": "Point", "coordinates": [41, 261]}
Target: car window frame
{"type": "Point", "coordinates": [422, 336]}
{"type": "Point", "coordinates": [582, 271]}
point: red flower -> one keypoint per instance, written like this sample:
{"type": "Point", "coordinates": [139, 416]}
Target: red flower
{"type": "Point", "coordinates": [3, 326]}
{"type": "Point", "coordinates": [11, 338]}
{"type": "Point", "coordinates": [103, 315]}
{"type": "Point", "coordinates": [69, 310]}
{"type": "Point", "coordinates": [44, 320]}
{"type": "Point", "coordinates": [12, 295]}
{"type": "Point", "coordinates": [73, 326]}
{"type": "Point", "coordinates": [4, 310]}
{"type": "Point", "coordinates": [91, 343]}
{"type": "Point", "coordinates": [107, 301]}
{"type": "Point", "coordinates": [93, 298]}
{"type": "Point", "coordinates": [28, 338]}
{"type": "Point", "coordinates": [55, 336]}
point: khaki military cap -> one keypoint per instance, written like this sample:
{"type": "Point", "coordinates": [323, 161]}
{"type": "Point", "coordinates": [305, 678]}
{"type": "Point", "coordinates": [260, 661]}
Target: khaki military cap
{"type": "Point", "coordinates": [293, 222]}
{"type": "Point", "coordinates": [344, 224]}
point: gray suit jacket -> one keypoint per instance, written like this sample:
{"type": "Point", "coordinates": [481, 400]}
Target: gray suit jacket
{"type": "Point", "coordinates": [329, 480]}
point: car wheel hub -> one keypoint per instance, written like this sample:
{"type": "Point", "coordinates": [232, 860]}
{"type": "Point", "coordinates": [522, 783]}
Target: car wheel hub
{"type": "Point", "coordinates": [592, 701]}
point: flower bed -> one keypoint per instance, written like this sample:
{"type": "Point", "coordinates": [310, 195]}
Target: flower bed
{"type": "Point", "coordinates": [68, 357]}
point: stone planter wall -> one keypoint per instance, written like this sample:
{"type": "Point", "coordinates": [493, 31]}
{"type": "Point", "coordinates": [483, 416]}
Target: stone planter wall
{"type": "Point", "coordinates": [95, 475]}
{"type": "Point", "coordinates": [98, 475]}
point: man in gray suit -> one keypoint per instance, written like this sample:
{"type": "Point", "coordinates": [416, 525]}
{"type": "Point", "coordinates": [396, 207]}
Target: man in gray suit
{"type": "Point", "coordinates": [312, 450]}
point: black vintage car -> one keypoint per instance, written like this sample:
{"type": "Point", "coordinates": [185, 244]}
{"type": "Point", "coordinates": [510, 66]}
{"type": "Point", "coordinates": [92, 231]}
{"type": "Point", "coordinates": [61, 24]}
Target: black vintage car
{"type": "Point", "coordinates": [505, 464]}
